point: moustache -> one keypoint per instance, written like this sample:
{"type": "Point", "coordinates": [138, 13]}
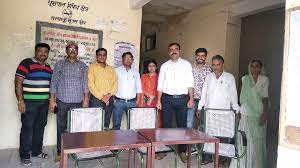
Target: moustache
{"type": "Point", "coordinates": [173, 53]}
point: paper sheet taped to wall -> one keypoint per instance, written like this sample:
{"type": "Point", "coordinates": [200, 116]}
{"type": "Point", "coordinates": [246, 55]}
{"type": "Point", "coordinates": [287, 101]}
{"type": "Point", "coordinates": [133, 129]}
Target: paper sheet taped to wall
{"type": "Point", "coordinates": [120, 48]}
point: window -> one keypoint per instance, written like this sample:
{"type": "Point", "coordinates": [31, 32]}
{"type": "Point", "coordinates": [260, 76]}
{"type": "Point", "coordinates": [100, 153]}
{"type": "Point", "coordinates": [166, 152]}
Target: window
{"type": "Point", "coordinates": [150, 42]}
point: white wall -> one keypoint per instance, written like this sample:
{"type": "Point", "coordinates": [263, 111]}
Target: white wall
{"type": "Point", "coordinates": [287, 157]}
{"type": "Point", "coordinates": [17, 40]}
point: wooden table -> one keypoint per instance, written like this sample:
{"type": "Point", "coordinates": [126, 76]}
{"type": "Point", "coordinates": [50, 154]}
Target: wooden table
{"type": "Point", "coordinates": [101, 140]}
{"type": "Point", "coordinates": [173, 136]}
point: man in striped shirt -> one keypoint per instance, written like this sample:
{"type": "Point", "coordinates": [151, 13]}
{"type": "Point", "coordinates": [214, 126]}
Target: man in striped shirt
{"type": "Point", "coordinates": [32, 83]}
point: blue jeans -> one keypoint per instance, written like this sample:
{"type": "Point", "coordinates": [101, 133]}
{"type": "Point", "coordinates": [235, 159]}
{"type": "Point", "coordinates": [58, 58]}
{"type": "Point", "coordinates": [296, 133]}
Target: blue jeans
{"type": "Point", "coordinates": [119, 107]}
{"type": "Point", "coordinates": [191, 115]}
{"type": "Point", "coordinates": [33, 121]}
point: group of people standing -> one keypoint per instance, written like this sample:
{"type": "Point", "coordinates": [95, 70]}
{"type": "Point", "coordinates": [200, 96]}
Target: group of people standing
{"type": "Point", "coordinates": [179, 88]}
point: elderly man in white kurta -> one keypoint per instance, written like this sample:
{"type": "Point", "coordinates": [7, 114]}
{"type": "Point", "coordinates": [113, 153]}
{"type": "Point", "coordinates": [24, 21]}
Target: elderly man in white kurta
{"type": "Point", "coordinates": [219, 90]}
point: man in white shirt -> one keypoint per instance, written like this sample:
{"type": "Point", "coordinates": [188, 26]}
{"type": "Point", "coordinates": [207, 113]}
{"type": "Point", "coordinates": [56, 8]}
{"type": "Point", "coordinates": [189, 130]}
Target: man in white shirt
{"type": "Point", "coordinates": [175, 91]}
{"type": "Point", "coordinates": [219, 90]}
{"type": "Point", "coordinates": [129, 89]}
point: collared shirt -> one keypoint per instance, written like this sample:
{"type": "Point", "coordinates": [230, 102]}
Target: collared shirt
{"type": "Point", "coordinates": [129, 83]}
{"type": "Point", "coordinates": [175, 77]}
{"type": "Point", "coordinates": [199, 78]}
{"type": "Point", "coordinates": [69, 81]}
{"type": "Point", "coordinates": [102, 80]}
{"type": "Point", "coordinates": [219, 93]}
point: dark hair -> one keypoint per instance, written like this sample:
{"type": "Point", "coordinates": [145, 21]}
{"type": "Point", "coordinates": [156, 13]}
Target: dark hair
{"type": "Point", "coordinates": [171, 44]}
{"type": "Point", "coordinates": [257, 61]}
{"type": "Point", "coordinates": [42, 45]}
{"type": "Point", "coordinates": [127, 53]}
{"type": "Point", "coordinates": [101, 49]}
{"type": "Point", "coordinates": [149, 62]}
{"type": "Point", "coordinates": [199, 50]}
{"type": "Point", "coordinates": [218, 57]}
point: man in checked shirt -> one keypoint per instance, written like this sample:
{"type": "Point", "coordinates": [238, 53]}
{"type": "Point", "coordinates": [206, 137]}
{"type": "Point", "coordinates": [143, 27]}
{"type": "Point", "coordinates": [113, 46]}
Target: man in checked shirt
{"type": "Point", "coordinates": [69, 89]}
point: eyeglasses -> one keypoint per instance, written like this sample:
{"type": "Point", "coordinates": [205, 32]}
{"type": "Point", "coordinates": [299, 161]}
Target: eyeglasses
{"type": "Point", "coordinates": [72, 49]}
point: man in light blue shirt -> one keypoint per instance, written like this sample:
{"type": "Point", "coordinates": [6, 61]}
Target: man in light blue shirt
{"type": "Point", "coordinates": [129, 89]}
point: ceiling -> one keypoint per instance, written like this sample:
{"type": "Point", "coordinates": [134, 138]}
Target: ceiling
{"type": "Point", "coordinates": [159, 10]}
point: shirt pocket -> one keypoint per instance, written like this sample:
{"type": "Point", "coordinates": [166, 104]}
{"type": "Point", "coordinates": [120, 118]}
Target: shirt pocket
{"type": "Point", "coordinates": [225, 83]}
{"type": "Point", "coordinates": [225, 88]}
{"type": "Point", "coordinates": [131, 77]}
{"type": "Point", "coordinates": [73, 73]}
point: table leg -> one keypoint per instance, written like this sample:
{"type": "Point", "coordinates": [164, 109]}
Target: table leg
{"type": "Point", "coordinates": [216, 155]}
{"type": "Point", "coordinates": [64, 160]}
{"type": "Point", "coordinates": [149, 157]}
{"type": "Point", "coordinates": [188, 165]}
{"type": "Point", "coordinates": [134, 157]}
{"type": "Point", "coordinates": [153, 156]}
{"type": "Point", "coordinates": [129, 153]}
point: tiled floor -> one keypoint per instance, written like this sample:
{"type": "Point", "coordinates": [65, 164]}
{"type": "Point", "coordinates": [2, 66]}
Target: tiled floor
{"type": "Point", "coordinates": [9, 158]}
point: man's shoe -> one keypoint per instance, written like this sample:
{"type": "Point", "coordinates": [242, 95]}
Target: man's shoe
{"type": "Point", "coordinates": [204, 162]}
{"type": "Point", "coordinates": [57, 159]}
{"type": "Point", "coordinates": [26, 162]}
{"type": "Point", "coordinates": [157, 157]}
{"type": "Point", "coordinates": [42, 155]}
{"type": "Point", "coordinates": [183, 157]}
{"type": "Point", "coordinates": [160, 156]}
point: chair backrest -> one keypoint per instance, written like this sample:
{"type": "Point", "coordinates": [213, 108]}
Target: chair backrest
{"type": "Point", "coordinates": [221, 123]}
{"type": "Point", "coordinates": [85, 119]}
{"type": "Point", "coordinates": [142, 117]}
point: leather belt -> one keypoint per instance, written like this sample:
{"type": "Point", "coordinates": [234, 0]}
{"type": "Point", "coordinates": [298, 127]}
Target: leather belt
{"type": "Point", "coordinates": [126, 100]}
{"type": "Point", "coordinates": [176, 96]}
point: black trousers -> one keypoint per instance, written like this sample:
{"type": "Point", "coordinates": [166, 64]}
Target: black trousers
{"type": "Point", "coordinates": [178, 105]}
{"type": "Point", "coordinates": [62, 118]}
{"type": "Point", "coordinates": [94, 102]}
{"type": "Point", "coordinates": [33, 121]}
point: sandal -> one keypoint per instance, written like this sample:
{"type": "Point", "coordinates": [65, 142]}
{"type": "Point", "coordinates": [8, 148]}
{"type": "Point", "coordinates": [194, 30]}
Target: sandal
{"type": "Point", "coordinates": [160, 156]}
{"type": "Point", "coordinates": [205, 162]}
{"type": "Point", "coordinates": [42, 156]}
{"type": "Point", "coordinates": [157, 157]}
{"type": "Point", "coordinates": [26, 162]}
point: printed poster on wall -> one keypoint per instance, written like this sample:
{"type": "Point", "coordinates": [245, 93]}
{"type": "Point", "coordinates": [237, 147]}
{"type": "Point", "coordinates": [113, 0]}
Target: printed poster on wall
{"type": "Point", "coordinates": [120, 48]}
{"type": "Point", "coordinates": [57, 36]}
